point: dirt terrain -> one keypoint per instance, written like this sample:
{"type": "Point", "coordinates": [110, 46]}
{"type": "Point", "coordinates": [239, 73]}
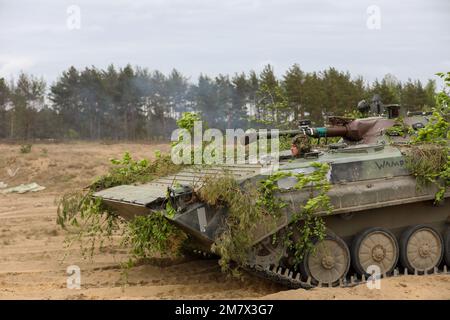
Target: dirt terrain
{"type": "Point", "coordinates": [34, 259]}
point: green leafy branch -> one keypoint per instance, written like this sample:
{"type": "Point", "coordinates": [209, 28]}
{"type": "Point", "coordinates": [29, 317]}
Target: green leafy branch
{"type": "Point", "coordinates": [428, 157]}
{"type": "Point", "coordinates": [307, 225]}
{"type": "Point", "coordinates": [91, 223]}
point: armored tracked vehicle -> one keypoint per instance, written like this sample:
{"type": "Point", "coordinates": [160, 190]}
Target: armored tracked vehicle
{"type": "Point", "coordinates": [381, 220]}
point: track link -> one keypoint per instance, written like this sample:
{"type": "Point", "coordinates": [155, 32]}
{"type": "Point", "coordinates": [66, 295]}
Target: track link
{"type": "Point", "coordinates": [292, 280]}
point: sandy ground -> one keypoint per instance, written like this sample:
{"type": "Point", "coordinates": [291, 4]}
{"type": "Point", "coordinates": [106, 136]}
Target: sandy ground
{"type": "Point", "coordinates": [33, 257]}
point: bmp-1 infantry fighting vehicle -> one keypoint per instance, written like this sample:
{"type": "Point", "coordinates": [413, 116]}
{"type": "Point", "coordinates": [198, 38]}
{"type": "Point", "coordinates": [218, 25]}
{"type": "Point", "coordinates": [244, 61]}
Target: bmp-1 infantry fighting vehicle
{"type": "Point", "coordinates": [380, 216]}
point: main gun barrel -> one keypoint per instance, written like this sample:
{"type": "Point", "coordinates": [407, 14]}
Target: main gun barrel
{"type": "Point", "coordinates": [318, 132]}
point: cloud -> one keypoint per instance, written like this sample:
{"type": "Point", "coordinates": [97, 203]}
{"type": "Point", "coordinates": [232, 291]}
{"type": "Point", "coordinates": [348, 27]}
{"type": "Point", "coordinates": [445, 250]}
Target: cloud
{"type": "Point", "coordinates": [216, 36]}
{"type": "Point", "coordinates": [12, 65]}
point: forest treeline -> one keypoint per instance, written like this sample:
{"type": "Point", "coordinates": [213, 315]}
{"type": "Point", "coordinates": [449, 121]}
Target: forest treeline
{"type": "Point", "coordinates": [133, 103]}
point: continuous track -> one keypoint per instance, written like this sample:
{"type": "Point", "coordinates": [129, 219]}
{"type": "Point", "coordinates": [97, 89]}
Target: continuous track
{"type": "Point", "coordinates": [292, 280]}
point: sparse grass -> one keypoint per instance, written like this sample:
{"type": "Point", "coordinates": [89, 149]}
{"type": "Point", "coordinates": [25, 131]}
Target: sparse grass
{"type": "Point", "coordinates": [425, 162]}
{"type": "Point", "coordinates": [25, 148]}
{"type": "Point", "coordinates": [66, 177]}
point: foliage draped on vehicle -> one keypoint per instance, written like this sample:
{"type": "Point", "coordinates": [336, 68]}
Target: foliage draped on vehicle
{"type": "Point", "coordinates": [429, 155]}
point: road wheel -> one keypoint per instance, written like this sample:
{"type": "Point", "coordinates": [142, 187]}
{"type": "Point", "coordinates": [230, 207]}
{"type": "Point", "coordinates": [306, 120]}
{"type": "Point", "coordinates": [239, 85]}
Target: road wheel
{"type": "Point", "coordinates": [421, 248]}
{"type": "Point", "coordinates": [374, 247]}
{"type": "Point", "coordinates": [327, 262]}
{"type": "Point", "coordinates": [267, 253]}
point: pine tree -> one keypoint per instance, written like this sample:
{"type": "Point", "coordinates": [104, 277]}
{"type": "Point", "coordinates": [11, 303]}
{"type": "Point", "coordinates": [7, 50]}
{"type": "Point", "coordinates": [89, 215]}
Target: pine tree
{"type": "Point", "coordinates": [253, 87]}
{"type": "Point", "coordinates": [4, 100]}
{"type": "Point", "coordinates": [293, 82]}
{"type": "Point", "coordinates": [271, 98]}
{"type": "Point", "coordinates": [204, 96]}
{"type": "Point", "coordinates": [66, 102]}
{"type": "Point", "coordinates": [240, 99]}
{"type": "Point", "coordinates": [27, 97]}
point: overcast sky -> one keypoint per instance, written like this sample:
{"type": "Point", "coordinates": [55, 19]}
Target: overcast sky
{"type": "Point", "coordinates": [227, 36]}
